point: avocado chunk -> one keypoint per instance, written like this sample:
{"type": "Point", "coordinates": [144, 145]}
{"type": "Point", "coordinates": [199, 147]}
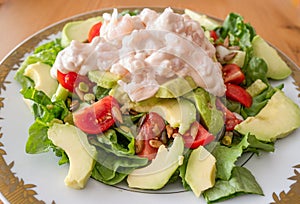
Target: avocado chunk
{"type": "Point", "coordinates": [277, 68]}
{"type": "Point", "coordinates": [176, 87]}
{"type": "Point", "coordinates": [200, 170]}
{"type": "Point", "coordinates": [179, 113]}
{"type": "Point", "coordinates": [159, 171]}
{"type": "Point", "coordinates": [145, 105]}
{"type": "Point", "coordinates": [239, 58]}
{"type": "Point", "coordinates": [204, 21]}
{"type": "Point", "coordinates": [256, 87]}
{"type": "Point", "coordinates": [78, 30]}
{"type": "Point", "coordinates": [40, 74]}
{"type": "Point", "coordinates": [206, 106]}
{"type": "Point", "coordinates": [81, 154]}
{"type": "Point", "coordinates": [276, 120]}
{"type": "Point", "coordinates": [61, 93]}
{"type": "Point", "coordinates": [104, 79]}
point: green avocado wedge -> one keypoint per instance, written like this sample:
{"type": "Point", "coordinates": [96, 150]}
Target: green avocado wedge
{"type": "Point", "coordinates": [157, 174]}
{"type": "Point", "coordinates": [200, 170]}
{"type": "Point", "coordinates": [81, 154]}
{"type": "Point", "coordinates": [277, 68]}
{"type": "Point", "coordinates": [78, 30]}
{"type": "Point", "coordinates": [276, 120]}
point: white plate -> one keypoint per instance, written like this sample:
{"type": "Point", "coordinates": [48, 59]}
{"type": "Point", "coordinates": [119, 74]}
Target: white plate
{"type": "Point", "coordinates": [28, 178]}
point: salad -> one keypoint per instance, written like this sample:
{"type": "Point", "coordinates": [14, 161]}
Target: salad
{"type": "Point", "coordinates": [151, 98]}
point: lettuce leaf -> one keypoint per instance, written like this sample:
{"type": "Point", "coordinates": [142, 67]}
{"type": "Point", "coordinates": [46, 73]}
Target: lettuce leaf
{"type": "Point", "coordinates": [45, 112]}
{"type": "Point", "coordinates": [241, 182]}
{"type": "Point", "coordinates": [259, 101]}
{"type": "Point", "coordinates": [114, 162]}
{"type": "Point", "coordinates": [118, 140]}
{"type": "Point", "coordinates": [45, 53]}
{"type": "Point", "coordinates": [182, 169]}
{"type": "Point", "coordinates": [227, 156]}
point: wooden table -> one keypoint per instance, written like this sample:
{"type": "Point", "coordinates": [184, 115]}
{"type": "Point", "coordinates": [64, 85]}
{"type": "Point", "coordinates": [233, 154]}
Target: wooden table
{"type": "Point", "coordinates": [278, 21]}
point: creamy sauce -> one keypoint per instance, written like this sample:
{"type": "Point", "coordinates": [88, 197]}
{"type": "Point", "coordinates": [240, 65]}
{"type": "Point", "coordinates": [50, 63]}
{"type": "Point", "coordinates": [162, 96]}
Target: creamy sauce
{"type": "Point", "coordinates": [146, 50]}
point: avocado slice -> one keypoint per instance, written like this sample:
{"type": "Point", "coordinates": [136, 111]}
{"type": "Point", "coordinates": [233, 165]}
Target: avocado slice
{"type": "Point", "coordinates": [104, 79]}
{"type": "Point", "coordinates": [200, 170]}
{"type": "Point", "coordinates": [256, 87]}
{"type": "Point", "coordinates": [176, 87]}
{"type": "Point", "coordinates": [206, 22]}
{"type": "Point", "coordinates": [78, 30]}
{"type": "Point", "coordinates": [276, 120]}
{"type": "Point", "coordinates": [277, 68]}
{"type": "Point", "coordinates": [206, 106]}
{"type": "Point", "coordinates": [179, 113]}
{"type": "Point", "coordinates": [40, 74]}
{"type": "Point", "coordinates": [157, 174]}
{"type": "Point", "coordinates": [81, 154]}
{"type": "Point", "coordinates": [239, 58]}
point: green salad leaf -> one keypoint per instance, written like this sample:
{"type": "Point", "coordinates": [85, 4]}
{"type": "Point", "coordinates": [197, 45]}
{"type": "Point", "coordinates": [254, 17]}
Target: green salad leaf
{"type": "Point", "coordinates": [38, 141]}
{"type": "Point", "coordinates": [114, 162]}
{"type": "Point", "coordinates": [45, 53]}
{"type": "Point", "coordinates": [227, 156]}
{"type": "Point", "coordinates": [259, 101]}
{"type": "Point", "coordinates": [241, 182]}
{"type": "Point", "coordinates": [239, 32]}
{"type": "Point", "coordinates": [182, 170]}
{"type": "Point", "coordinates": [256, 69]}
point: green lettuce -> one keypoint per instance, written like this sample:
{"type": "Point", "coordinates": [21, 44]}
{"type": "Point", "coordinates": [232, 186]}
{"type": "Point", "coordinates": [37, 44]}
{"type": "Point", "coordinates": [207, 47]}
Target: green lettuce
{"type": "Point", "coordinates": [45, 112]}
{"type": "Point", "coordinates": [227, 156]}
{"type": "Point", "coordinates": [114, 161]}
{"type": "Point", "coordinates": [241, 182]}
{"type": "Point", "coordinates": [45, 53]}
{"type": "Point", "coordinates": [259, 101]}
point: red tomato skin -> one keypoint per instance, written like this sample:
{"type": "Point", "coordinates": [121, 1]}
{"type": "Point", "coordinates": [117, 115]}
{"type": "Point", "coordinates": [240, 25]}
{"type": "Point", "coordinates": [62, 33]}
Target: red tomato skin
{"type": "Point", "coordinates": [94, 31]}
{"type": "Point", "coordinates": [239, 94]}
{"type": "Point", "coordinates": [148, 151]}
{"type": "Point", "coordinates": [152, 126]}
{"type": "Point", "coordinates": [71, 80]}
{"type": "Point", "coordinates": [214, 35]}
{"type": "Point", "coordinates": [96, 118]}
{"type": "Point", "coordinates": [230, 119]}
{"type": "Point", "coordinates": [202, 138]}
{"type": "Point", "coordinates": [232, 73]}
{"type": "Point", "coordinates": [67, 80]}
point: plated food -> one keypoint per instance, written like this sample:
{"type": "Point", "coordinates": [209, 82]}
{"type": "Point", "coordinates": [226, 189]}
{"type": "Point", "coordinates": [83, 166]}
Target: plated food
{"type": "Point", "coordinates": [150, 98]}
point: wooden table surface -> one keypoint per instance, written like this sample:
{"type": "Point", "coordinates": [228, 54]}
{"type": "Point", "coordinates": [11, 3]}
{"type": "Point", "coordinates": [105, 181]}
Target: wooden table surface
{"type": "Point", "coordinates": [278, 21]}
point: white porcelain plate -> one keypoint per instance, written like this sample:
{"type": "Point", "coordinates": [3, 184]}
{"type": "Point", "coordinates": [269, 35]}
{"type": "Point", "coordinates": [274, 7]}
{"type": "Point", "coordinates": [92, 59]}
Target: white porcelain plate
{"type": "Point", "coordinates": [28, 178]}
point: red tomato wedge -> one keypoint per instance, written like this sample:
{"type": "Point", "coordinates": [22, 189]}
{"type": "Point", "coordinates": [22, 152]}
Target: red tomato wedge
{"type": "Point", "coordinates": [97, 117]}
{"type": "Point", "coordinates": [71, 80]}
{"type": "Point", "coordinates": [152, 126]}
{"type": "Point", "coordinates": [67, 80]}
{"type": "Point", "coordinates": [203, 137]}
{"type": "Point", "coordinates": [94, 31]}
{"type": "Point", "coordinates": [236, 93]}
{"type": "Point", "coordinates": [214, 35]}
{"type": "Point", "coordinates": [232, 73]}
{"type": "Point", "coordinates": [230, 119]}
{"type": "Point", "coordinates": [148, 151]}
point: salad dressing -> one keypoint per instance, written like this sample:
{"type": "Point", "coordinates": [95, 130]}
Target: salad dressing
{"type": "Point", "coordinates": [146, 50]}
